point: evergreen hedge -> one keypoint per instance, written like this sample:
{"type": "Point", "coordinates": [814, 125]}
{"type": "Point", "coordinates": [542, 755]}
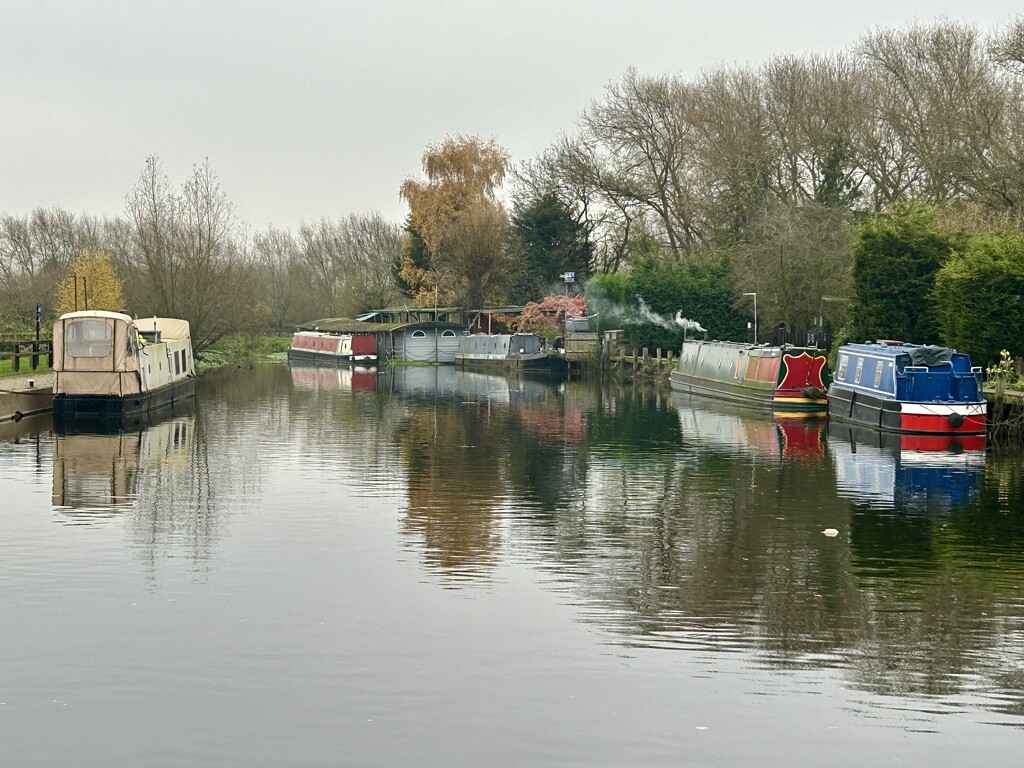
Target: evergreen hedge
{"type": "Point", "coordinates": [978, 297]}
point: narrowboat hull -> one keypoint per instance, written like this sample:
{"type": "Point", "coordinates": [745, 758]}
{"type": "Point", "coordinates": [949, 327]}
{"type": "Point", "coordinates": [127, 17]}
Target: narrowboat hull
{"type": "Point", "coordinates": [74, 406]}
{"type": "Point", "coordinates": [733, 393]}
{"type": "Point", "coordinates": [920, 418]}
{"type": "Point", "coordinates": [539, 361]}
{"type": "Point", "coordinates": [325, 358]}
{"type": "Point", "coordinates": [780, 379]}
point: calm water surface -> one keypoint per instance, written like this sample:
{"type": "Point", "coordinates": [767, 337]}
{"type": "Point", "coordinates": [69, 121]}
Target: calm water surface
{"type": "Point", "coordinates": [314, 568]}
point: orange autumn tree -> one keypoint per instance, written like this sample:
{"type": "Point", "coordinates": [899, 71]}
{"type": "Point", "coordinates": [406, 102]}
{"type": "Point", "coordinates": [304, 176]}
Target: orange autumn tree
{"type": "Point", "coordinates": [462, 225]}
{"type": "Point", "coordinates": [92, 284]}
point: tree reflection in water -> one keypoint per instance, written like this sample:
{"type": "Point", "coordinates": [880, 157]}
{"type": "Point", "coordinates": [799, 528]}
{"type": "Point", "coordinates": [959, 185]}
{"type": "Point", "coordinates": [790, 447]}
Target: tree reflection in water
{"type": "Point", "coordinates": [670, 524]}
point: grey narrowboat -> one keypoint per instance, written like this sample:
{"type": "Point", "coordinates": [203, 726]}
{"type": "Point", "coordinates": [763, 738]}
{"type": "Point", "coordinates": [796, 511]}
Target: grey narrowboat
{"type": "Point", "coordinates": [503, 352]}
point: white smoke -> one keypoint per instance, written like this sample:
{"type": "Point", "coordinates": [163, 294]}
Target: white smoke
{"type": "Point", "coordinates": [640, 315]}
{"type": "Point", "coordinates": [689, 325]}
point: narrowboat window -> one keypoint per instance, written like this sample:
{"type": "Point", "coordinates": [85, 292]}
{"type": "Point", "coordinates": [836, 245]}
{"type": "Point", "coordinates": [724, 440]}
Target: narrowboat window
{"type": "Point", "coordinates": [88, 337]}
{"type": "Point", "coordinates": [857, 373]}
{"type": "Point", "coordinates": [419, 334]}
{"type": "Point", "coordinates": [448, 334]}
{"type": "Point", "coordinates": [878, 374]}
{"type": "Point", "coordinates": [841, 373]}
{"type": "Point", "coordinates": [177, 369]}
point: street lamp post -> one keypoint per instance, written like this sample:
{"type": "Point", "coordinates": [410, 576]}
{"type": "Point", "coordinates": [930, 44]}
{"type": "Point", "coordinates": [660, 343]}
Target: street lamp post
{"type": "Point", "coordinates": [755, 313]}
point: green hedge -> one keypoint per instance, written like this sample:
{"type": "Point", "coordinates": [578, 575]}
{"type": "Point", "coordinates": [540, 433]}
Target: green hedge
{"type": "Point", "coordinates": [703, 291]}
{"type": "Point", "coordinates": [978, 297]}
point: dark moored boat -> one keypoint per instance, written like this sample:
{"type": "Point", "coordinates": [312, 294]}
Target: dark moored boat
{"type": "Point", "coordinates": [781, 378]}
{"type": "Point", "coordinates": [907, 388]}
{"type": "Point", "coordinates": [503, 351]}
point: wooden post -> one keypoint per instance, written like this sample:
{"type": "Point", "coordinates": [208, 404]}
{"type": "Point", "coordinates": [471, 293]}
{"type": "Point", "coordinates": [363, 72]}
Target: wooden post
{"type": "Point", "coordinates": [16, 362]}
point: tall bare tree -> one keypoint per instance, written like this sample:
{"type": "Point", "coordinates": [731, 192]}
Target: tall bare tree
{"type": "Point", "coordinates": [188, 258]}
{"type": "Point", "coordinates": [795, 257]}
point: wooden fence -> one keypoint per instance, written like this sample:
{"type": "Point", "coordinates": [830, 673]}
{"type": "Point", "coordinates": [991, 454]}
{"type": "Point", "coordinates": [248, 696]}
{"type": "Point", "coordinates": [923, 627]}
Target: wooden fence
{"type": "Point", "coordinates": [26, 355]}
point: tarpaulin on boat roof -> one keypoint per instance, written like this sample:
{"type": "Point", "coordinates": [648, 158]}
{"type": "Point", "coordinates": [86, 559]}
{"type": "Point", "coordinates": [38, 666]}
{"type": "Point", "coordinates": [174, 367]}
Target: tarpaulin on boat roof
{"type": "Point", "coordinates": [169, 327]}
{"type": "Point", "coordinates": [929, 355]}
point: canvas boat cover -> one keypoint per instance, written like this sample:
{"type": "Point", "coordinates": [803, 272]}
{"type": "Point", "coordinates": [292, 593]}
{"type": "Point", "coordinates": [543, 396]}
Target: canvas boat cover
{"type": "Point", "coordinates": [929, 355]}
{"type": "Point", "coordinates": [97, 353]}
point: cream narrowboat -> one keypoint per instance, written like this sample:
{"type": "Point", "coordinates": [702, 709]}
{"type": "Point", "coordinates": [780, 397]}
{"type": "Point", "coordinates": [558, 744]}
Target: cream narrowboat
{"type": "Point", "coordinates": [108, 365]}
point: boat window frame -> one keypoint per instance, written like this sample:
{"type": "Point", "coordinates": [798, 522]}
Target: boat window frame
{"type": "Point", "coordinates": [76, 340]}
{"type": "Point", "coordinates": [418, 334]}
{"type": "Point", "coordinates": [844, 361]}
{"type": "Point", "coordinates": [878, 374]}
{"type": "Point", "coordinates": [448, 334]}
{"type": "Point", "coordinates": [858, 371]}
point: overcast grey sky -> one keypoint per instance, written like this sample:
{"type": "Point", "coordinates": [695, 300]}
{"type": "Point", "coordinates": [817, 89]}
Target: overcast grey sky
{"type": "Point", "coordinates": [320, 109]}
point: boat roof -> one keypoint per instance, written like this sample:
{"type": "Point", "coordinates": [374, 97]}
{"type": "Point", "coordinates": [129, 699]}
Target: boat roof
{"type": "Point", "coordinates": [97, 313]}
{"type": "Point", "coordinates": [747, 345]}
{"type": "Point", "coordinates": [346, 325]}
{"type": "Point", "coordinates": [896, 349]}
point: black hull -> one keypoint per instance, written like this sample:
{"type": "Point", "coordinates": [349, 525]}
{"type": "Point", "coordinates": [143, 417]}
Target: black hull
{"type": "Point", "coordinates": [864, 410]}
{"type": "Point", "coordinates": [111, 407]}
{"type": "Point", "coordinates": [302, 356]}
{"type": "Point", "coordinates": [716, 390]}
{"type": "Point", "coordinates": [538, 364]}
{"type": "Point", "coordinates": [748, 396]}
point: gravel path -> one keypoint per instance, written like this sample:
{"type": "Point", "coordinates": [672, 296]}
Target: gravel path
{"type": "Point", "coordinates": [19, 382]}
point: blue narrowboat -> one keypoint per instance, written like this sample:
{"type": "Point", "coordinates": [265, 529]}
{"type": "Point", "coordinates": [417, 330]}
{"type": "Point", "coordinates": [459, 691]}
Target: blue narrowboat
{"type": "Point", "coordinates": [907, 388]}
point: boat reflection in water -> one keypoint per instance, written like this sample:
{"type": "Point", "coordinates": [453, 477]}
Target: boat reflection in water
{"type": "Point", "coordinates": [906, 472]}
{"type": "Point", "coordinates": [344, 379]}
{"type": "Point", "coordinates": [472, 447]}
{"type": "Point", "coordinates": [449, 381]}
{"type": "Point", "coordinates": [98, 471]}
{"type": "Point", "coordinates": [747, 430]}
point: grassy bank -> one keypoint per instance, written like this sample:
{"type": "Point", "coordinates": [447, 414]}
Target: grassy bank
{"type": "Point", "coordinates": [7, 367]}
{"type": "Point", "coordinates": [243, 350]}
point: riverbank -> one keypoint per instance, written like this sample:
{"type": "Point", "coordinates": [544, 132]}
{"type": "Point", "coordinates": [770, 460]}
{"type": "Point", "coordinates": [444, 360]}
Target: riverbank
{"type": "Point", "coordinates": [25, 394]}
{"type": "Point", "coordinates": [241, 351]}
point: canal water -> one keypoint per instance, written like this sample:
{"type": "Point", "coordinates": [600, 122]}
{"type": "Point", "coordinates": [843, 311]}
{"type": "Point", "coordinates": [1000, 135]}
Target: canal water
{"type": "Point", "coordinates": [311, 567]}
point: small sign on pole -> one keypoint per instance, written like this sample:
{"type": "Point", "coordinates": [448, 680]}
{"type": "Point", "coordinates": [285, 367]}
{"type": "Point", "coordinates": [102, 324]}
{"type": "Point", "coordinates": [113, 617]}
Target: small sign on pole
{"type": "Point", "coordinates": [569, 277]}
